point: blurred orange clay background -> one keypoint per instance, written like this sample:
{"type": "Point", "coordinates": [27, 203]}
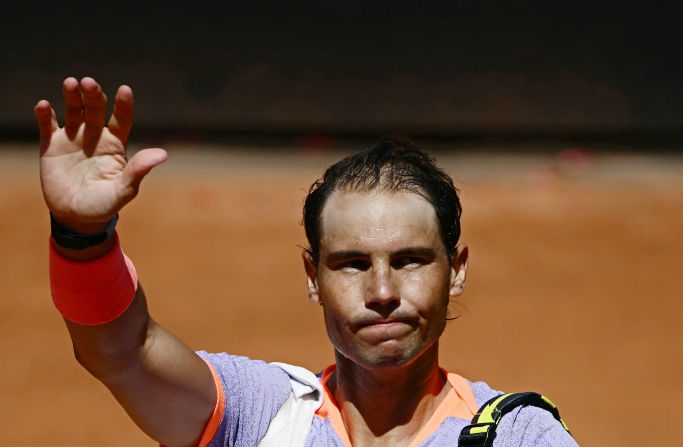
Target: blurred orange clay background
{"type": "Point", "coordinates": [574, 286]}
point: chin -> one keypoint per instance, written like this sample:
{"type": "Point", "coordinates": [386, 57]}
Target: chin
{"type": "Point", "coordinates": [401, 355]}
{"type": "Point", "coordinates": [386, 356]}
{"type": "Point", "coordinates": [388, 363]}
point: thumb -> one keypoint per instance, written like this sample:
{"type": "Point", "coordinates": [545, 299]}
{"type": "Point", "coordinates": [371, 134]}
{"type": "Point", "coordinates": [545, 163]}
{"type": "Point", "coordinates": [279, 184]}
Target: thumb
{"type": "Point", "coordinates": [139, 166]}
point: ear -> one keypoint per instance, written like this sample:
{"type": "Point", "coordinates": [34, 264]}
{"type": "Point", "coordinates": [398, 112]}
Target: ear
{"type": "Point", "coordinates": [458, 270]}
{"type": "Point", "coordinates": [311, 277]}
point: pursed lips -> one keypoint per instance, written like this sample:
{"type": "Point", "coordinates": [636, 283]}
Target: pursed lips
{"type": "Point", "coordinates": [382, 330]}
{"type": "Point", "coordinates": [385, 322]}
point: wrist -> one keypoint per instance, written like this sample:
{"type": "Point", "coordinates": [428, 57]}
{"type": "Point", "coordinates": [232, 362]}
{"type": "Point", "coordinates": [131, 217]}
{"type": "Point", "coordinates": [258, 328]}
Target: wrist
{"type": "Point", "coordinates": [86, 254]}
{"type": "Point", "coordinates": [79, 225]}
{"type": "Point", "coordinates": [77, 246]}
{"type": "Point", "coordinates": [80, 236]}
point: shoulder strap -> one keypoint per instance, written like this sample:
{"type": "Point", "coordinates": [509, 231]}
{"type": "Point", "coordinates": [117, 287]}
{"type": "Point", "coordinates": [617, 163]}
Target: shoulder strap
{"type": "Point", "coordinates": [482, 431]}
{"type": "Point", "coordinates": [291, 424]}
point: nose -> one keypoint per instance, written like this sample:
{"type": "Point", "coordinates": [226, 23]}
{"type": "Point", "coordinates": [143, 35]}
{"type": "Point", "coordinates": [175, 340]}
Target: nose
{"type": "Point", "coordinates": [382, 293]}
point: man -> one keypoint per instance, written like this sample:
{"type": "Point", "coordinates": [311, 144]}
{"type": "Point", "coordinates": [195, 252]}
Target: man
{"type": "Point", "coordinates": [383, 264]}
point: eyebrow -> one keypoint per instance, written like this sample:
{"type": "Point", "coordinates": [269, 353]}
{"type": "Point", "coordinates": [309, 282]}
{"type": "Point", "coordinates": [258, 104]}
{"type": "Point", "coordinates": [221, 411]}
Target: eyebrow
{"type": "Point", "coordinates": [415, 251]}
{"type": "Point", "coordinates": [341, 255]}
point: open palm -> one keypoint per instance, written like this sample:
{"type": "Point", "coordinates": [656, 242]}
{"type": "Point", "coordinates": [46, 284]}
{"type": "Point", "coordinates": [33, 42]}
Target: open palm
{"type": "Point", "coordinates": [85, 174]}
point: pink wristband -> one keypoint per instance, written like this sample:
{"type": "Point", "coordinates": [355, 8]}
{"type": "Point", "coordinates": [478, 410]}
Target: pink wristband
{"type": "Point", "coordinates": [92, 292]}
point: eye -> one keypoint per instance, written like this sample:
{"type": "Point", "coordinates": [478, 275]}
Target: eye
{"type": "Point", "coordinates": [408, 261]}
{"type": "Point", "coordinates": [356, 265]}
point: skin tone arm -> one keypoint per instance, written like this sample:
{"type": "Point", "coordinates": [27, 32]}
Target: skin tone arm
{"type": "Point", "coordinates": [86, 179]}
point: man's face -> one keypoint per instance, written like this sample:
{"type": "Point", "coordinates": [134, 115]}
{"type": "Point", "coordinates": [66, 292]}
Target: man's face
{"type": "Point", "coordinates": [383, 276]}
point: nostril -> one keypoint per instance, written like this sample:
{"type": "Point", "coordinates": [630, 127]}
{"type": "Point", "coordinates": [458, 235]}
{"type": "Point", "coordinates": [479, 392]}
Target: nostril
{"type": "Point", "coordinates": [383, 308]}
{"type": "Point", "coordinates": [383, 294]}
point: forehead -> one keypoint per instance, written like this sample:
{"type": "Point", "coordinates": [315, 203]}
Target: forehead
{"type": "Point", "coordinates": [377, 219]}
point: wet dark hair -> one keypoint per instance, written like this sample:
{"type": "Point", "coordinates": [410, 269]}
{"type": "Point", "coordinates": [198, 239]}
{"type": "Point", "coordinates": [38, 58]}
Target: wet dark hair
{"type": "Point", "coordinates": [393, 164]}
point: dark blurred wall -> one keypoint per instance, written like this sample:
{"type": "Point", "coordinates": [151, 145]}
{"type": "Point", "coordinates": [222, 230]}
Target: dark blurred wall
{"type": "Point", "coordinates": [343, 67]}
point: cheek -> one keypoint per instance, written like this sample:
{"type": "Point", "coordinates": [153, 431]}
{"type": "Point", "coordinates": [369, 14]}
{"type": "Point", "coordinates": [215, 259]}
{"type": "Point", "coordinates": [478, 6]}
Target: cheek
{"type": "Point", "coordinates": [428, 291]}
{"type": "Point", "coordinates": [337, 317]}
{"type": "Point", "coordinates": [340, 289]}
{"type": "Point", "coordinates": [338, 296]}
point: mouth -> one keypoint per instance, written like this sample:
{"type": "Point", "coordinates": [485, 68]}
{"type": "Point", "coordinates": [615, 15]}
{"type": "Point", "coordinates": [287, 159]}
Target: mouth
{"type": "Point", "coordinates": [384, 329]}
{"type": "Point", "coordinates": [386, 326]}
{"type": "Point", "coordinates": [385, 322]}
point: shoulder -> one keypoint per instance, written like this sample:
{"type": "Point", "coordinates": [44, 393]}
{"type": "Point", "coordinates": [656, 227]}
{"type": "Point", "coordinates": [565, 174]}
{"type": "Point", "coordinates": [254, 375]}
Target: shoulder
{"type": "Point", "coordinates": [241, 368]}
{"type": "Point", "coordinates": [254, 392]}
{"type": "Point", "coordinates": [247, 381]}
{"type": "Point", "coordinates": [532, 427]}
{"type": "Point", "coordinates": [524, 426]}
{"type": "Point", "coordinates": [483, 392]}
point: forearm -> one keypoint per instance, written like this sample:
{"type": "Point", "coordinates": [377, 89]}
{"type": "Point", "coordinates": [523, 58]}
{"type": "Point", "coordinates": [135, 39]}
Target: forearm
{"type": "Point", "coordinates": [162, 384]}
{"type": "Point", "coordinates": [107, 350]}
{"type": "Point", "coordinates": [112, 344]}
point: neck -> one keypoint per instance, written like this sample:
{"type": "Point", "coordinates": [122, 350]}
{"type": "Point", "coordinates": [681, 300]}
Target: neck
{"type": "Point", "coordinates": [388, 406]}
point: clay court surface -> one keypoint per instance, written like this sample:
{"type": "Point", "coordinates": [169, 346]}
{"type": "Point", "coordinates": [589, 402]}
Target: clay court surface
{"type": "Point", "coordinates": [575, 287]}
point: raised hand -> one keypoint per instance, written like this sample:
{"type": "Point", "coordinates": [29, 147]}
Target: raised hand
{"type": "Point", "coordinates": [84, 172]}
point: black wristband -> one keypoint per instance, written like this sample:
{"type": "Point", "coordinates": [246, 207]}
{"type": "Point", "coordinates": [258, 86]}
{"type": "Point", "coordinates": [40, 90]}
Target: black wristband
{"type": "Point", "coordinates": [67, 238]}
